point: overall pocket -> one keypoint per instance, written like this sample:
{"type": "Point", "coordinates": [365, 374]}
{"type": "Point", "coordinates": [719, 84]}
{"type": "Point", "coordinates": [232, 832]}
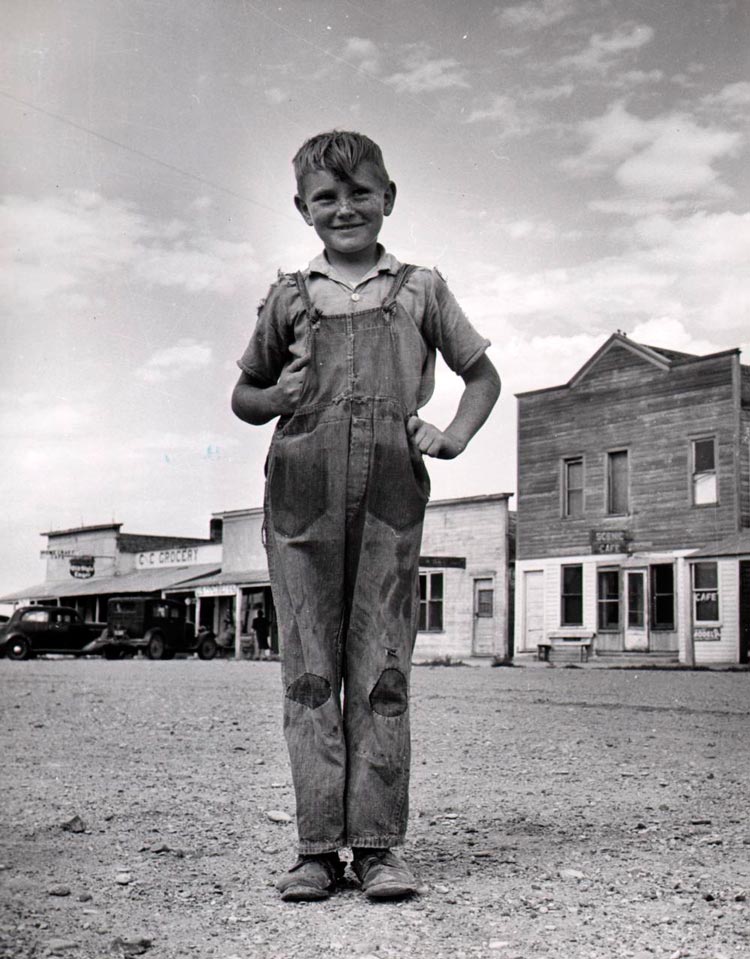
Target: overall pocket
{"type": "Point", "coordinates": [297, 484]}
{"type": "Point", "coordinates": [399, 483]}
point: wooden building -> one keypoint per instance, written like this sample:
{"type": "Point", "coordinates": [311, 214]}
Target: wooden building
{"type": "Point", "coordinates": [637, 462]}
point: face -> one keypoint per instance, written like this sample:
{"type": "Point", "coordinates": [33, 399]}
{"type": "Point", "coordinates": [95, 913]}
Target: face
{"type": "Point", "coordinates": [347, 214]}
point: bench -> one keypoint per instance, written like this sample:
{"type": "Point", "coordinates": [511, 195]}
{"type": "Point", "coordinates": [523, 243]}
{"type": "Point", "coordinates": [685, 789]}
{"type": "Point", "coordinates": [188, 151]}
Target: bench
{"type": "Point", "coordinates": [581, 640]}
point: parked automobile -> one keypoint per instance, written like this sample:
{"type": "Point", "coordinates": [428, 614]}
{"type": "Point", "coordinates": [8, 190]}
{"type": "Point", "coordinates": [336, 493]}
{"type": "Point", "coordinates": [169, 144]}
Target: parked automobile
{"type": "Point", "coordinates": [46, 629]}
{"type": "Point", "coordinates": [157, 627]}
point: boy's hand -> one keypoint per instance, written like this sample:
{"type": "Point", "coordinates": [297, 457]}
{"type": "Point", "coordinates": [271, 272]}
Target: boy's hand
{"type": "Point", "coordinates": [431, 441]}
{"type": "Point", "coordinates": [289, 386]}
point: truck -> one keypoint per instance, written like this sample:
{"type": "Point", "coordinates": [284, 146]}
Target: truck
{"type": "Point", "coordinates": [47, 629]}
{"type": "Point", "coordinates": [158, 628]}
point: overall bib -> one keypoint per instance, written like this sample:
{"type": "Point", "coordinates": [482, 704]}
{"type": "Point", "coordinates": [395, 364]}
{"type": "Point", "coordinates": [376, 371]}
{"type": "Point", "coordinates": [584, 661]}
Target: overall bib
{"type": "Point", "coordinates": [344, 508]}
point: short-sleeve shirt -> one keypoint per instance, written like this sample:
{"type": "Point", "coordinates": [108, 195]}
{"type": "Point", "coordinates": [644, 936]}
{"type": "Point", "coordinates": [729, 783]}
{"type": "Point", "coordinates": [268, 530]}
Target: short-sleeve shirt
{"type": "Point", "coordinates": [432, 317]}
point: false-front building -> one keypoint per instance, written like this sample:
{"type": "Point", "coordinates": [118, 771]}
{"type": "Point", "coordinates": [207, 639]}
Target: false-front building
{"type": "Point", "coordinates": [641, 460]}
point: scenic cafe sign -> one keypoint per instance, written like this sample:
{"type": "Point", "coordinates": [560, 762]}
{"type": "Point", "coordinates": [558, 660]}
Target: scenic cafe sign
{"type": "Point", "coordinates": [177, 556]}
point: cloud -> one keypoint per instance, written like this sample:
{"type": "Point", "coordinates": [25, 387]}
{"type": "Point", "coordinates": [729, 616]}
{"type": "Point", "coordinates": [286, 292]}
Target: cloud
{"type": "Point", "coordinates": [537, 14]}
{"type": "Point", "coordinates": [691, 269]}
{"type": "Point", "coordinates": [512, 120]}
{"type": "Point", "coordinates": [604, 50]}
{"type": "Point", "coordinates": [173, 362]}
{"type": "Point", "coordinates": [426, 74]}
{"type": "Point", "coordinates": [57, 248]}
{"type": "Point", "coordinates": [364, 52]}
{"type": "Point", "coordinates": [734, 97]}
{"type": "Point", "coordinates": [665, 157]}
{"type": "Point", "coordinates": [33, 415]}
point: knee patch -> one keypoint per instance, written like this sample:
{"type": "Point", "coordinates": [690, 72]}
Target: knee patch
{"type": "Point", "coordinates": [389, 696]}
{"type": "Point", "coordinates": [309, 690]}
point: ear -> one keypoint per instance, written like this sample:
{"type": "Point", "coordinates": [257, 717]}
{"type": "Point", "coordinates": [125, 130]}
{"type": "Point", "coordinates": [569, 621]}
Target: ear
{"type": "Point", "coordinates": [302, 208]}
{"type": "Point", "coordinates": [389, 199]}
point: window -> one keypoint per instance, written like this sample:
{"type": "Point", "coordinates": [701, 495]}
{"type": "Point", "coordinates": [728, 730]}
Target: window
{"type": "Point", "coordinates": [485, 602]}
{"type": "Point", "coordinates": [571, 613]}
{"type": "Point", "coordinates": [704, 471]}
{"type": "Point", "coordinates": [573, 486]}
{"type": "Point", "coordinates": [608, 599]}
{"type": "Point", "coordinates": [617, 483]}
{"type": "Point", "coordinates": [662, 596]}
{"type": "Point", "coordinates": [636, 607]}
{"type": "Point", "coordinates": [705, 593]}
{"type": "Point", "coordinates": [36, 616]}
{"type": "Point", "coordinates": [430, 602]}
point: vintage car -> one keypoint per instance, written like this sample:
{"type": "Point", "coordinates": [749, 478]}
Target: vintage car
{"type": "Point", "coordinates": [46, 629]}
{"type": "Point", "coordinates": [157, 627]}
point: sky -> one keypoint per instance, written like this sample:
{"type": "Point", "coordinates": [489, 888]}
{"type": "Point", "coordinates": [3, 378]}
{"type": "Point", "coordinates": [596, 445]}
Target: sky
{"type": "Point", "coordinates": [573, 167]}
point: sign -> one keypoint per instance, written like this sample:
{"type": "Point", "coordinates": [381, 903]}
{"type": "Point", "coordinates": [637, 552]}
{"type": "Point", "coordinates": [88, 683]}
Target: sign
{"type": "Point", "coordinates": [228, 590]}
{"type": "Point", "coordinates": [707, 634]}
{"type": "Point", "coordinates": [609, 541]}
{"type": "Point", "coordinates": [58, 553]}
{"type": "Point", "coordinates": [442, 562]}
{"type": "Point", "coordinates": [178, 556]}
{"type": "Point", "coordinates": [82, 567]}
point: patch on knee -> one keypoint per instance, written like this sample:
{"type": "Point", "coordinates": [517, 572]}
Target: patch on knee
{"type": "Point", "coordinates": [389, 696]}
{"type": "Point", "coordinates": [309, 690]}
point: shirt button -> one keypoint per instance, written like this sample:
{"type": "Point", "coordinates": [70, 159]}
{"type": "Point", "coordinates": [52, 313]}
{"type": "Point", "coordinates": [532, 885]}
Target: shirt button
{"type": "Point", "coordinates": [356, 297]}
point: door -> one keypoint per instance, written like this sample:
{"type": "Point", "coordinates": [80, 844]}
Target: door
{"type": "Point", "coordinates": [744, 650]}
{"type": "Point", "coordinates": [533, 609]}
{"type": "Point", "coordinates": [484, 617]}
{"type": "Point", "coordinates": [636, 609]}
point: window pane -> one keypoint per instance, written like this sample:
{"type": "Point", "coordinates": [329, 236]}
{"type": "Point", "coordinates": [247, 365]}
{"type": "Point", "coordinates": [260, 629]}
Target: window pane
{"type": "Point", "coordinates": [573, 477]}
{"type": "Point", "coordinates": [572, 579]}
{"type": "Point", "coordinates": [485, 602]}
{"type": "Point", "coordinates": [436, 586]}
{"type": "Point", "coordinates": [436, 614]}
{"type": "Point", "coordinates": [635, 600]}
{"type": "Point", "coordinates": [707, 607]}
{"type": "Point", "coordinates": [575, 474]}
{"type": "Point", "coordinates": [572, 611]}
{"type": "Point", "coordinates": [703, 451]}
{"type": "Point", "coordinates": [422, 626]}
{"type": "Point", "coordinates": [664, 611]}
{"type": "Point", "coordinates": [575, 502]}
{"type": "Point", "coordinates": [704, 488]}
{"type": "Point", "coordinates": [618, 482]}
{"type": "Point", "coordinates": [423, 587]}
{"type": "Point", "coordinates": [706, 576]}
{"type": "Point", "coordinates": [609, 584]}
{"type": "Point", "coordinates": [663, 577]}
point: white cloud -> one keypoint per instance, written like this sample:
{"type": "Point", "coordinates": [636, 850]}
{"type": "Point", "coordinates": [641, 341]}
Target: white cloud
{"type": "Point", "coordinates": [275, 95]}
{"type": "Point", "coordinates": [425, 74]}
{"type": "Point", "coordinates": [537, 14]}
{"type": "Point", "coordinates": [35, 415]}
{"type": "Point", "coordinates": [603, 51]}
{"type": "Point", "coordinates": [61, 246]}
{"type": "Point", "coordinates": [173, 362]}
{"type": "Point", "coordinates": [511, 120]}
{"type": "Point", "coordinates": [666, 157]}
{"type": "Point", "coordinates": [734, 97]}
{"type": "Point", "coordinates": [365, 52]}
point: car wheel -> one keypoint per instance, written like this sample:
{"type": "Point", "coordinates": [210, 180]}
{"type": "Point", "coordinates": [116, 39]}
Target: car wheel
{"type": "Point", "coordinates": [18, 648]}
{"type": "Point", "coordinates": [207, 648]}
{"type": "Point", "coordinates": [156, 647]}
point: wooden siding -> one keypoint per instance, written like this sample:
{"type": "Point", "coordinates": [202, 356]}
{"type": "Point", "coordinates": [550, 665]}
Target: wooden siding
{"type": "Point", "coordinates": [725, 650]}
{"type": "Point", "coordinates": [745, 466]}
{"type": "Point", "coordinates": [625, 402]}
{"type": "Point", "coordinates": [477, 531]}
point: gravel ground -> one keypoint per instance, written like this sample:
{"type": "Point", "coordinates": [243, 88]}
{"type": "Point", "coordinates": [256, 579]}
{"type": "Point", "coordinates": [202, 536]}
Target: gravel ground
{"type": "Point", "coordinates": [555, 813]}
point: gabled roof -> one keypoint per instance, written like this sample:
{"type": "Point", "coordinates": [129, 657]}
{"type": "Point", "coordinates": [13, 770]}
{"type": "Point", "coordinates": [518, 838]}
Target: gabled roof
{"type": "Point", "coordinates": [657, 356]}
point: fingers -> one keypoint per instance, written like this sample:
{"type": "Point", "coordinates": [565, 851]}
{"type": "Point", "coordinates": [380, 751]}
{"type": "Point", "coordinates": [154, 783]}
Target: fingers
{"type": "Point", "coordinates": [413, 424]}
{"type": "Point", "coordinates": [299, 364]}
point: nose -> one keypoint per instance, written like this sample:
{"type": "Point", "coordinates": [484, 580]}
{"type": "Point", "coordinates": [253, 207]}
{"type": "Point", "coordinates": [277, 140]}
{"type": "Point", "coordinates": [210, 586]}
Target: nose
{"type": "Point", "coordinates": [344, 206]}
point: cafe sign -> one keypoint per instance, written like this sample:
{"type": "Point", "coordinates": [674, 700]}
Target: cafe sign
{"type": "Point", "coordinates": [605, 541]}
{"type": "Point", "coordinates": [707, 634]}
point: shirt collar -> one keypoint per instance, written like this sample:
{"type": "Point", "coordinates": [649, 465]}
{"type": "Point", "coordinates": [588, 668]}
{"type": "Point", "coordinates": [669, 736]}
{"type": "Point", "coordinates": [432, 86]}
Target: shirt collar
{"type": "Point", "coordinates": [387, 263]}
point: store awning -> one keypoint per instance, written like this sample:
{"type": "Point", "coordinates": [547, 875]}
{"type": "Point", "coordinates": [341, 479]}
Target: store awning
{"type": "Point", "coordinates": [738, 544]}
{"type": "Point", "coordinates": [140, 581]}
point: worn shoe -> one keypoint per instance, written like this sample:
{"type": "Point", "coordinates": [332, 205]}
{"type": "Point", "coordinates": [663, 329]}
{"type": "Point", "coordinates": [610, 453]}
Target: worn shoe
{"type": "Point", "coordinates": [311, 878]}
{"type": "Point", "coordinates": [383, 874]}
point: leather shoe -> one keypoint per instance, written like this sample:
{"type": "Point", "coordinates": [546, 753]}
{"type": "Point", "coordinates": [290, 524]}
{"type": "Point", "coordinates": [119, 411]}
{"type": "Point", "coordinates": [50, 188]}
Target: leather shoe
{"type": "Point", "coordinates": [383, 874]}
{"type": "Point", "coordinates": [311, 878]}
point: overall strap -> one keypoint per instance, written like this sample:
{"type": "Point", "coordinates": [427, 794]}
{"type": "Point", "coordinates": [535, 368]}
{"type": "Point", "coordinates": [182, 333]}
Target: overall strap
{"type": "Point", "coordinates": [304, 293]}
{"type": "Point", "coordinates": [405, 271]}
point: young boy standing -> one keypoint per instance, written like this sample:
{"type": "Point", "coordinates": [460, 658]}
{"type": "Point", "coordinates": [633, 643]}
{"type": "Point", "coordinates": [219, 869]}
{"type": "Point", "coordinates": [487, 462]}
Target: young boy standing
{"type": "Point", "coordinates": [344, 354]}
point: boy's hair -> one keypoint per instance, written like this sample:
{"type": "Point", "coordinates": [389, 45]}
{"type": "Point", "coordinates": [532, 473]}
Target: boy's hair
{"type": "Point", "coordinates": [339, 152]}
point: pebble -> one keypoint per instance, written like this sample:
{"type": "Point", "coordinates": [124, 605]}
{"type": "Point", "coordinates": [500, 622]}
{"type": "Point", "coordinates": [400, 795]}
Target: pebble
{"type": "Point", "coordinates": [123, 878]}
{"type": "Point", "coordinates": [570, 874]}
{"type": "Point", "coordinates": [276, 815]}
{"type": "Point", "coordinates": [58, 890]}
{"type": "Point", "coordinates": [76, 824]}
{"type": "Point", "coordinates": [60, 945]}
{"type": "Point", "coordinates": [499, 944]}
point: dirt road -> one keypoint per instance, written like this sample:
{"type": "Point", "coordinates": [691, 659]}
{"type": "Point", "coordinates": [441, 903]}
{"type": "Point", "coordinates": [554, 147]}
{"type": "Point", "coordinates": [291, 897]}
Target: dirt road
{"type": "Point", "coordinates": [556, 813]}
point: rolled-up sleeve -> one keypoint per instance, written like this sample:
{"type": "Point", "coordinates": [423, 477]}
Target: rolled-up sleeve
{"type": "Point", "coordinates": [447, 328]}
{"type": "Point", "coordinates": [268, 349]}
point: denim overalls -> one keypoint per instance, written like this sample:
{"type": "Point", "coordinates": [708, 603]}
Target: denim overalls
{"type": "Point", "coordinates": [345, 501]}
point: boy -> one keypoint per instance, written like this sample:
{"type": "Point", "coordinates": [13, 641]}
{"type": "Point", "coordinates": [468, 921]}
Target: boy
{"type": "Point", "coordinates": [344, 355]}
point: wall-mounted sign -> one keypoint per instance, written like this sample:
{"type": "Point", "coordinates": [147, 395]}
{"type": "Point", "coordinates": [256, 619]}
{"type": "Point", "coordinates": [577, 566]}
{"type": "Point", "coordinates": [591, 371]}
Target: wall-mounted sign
{"type": "Point", "coordinates": [706, 634]}
{"type": "Point", "coordinates": [82, 567]}
{"type": "Point", "coordinates": [227, 590]}
{"type": "Point", "coordinates": [58, 553]}
{"type": "Point", "coordinates": [609, 540]}
{"type": "Point", "coordinates": [178, 556]}
{"type": "Point", "coordinates": [442, 562]}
